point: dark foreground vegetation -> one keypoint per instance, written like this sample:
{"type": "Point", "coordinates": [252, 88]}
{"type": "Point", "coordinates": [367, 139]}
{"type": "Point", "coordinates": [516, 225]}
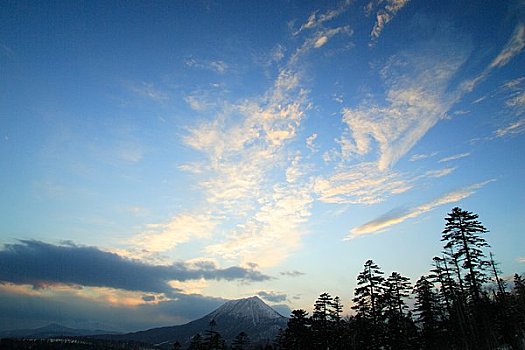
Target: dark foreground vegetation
{"type": "Point", "coordinates": [71, 343]}
{"type": "Point", "coordinates": [462, 303]}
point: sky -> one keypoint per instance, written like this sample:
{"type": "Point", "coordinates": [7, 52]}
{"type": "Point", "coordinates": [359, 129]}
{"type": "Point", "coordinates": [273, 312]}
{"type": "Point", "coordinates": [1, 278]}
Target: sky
{"type": "Point", "coordinates": [159, 158]}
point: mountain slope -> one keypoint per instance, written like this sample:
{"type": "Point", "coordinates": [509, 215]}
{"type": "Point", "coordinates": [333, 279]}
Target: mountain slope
{"type": "Point", "coordinates": [250, 315]}
{"type": "Point", "coordinates": [51, 330]}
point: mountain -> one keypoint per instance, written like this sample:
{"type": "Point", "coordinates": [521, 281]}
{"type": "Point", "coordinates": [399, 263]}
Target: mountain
{"type": "Point", "coordinates": [51, 330]}
{"type": "Point", "coordinates": [250, 315]}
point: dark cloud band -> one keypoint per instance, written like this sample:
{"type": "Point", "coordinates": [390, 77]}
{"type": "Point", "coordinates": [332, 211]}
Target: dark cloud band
{"type": "Point", "coordinates": [39, 263]}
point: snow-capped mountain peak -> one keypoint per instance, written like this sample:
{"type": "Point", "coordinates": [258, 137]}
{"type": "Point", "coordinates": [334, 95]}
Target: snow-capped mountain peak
{"type": "Point", "coordinates": [252, 309]}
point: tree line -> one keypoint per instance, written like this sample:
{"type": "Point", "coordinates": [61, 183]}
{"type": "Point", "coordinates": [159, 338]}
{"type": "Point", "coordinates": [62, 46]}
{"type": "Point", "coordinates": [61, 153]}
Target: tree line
{"type": "Point", "coordinates": [462, 303]}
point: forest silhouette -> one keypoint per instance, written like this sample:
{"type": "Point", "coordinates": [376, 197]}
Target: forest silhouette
{"type": "Point", "coordinates": [462, 303]}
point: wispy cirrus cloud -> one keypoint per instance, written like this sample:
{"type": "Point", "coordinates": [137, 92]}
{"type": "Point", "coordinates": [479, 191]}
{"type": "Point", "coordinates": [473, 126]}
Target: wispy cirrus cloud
{"type": "Point", "coordinates": [384, 15]}
{"type": "Point", "coordinates": [147, 90]}
{"type": "Point", "coordinates": [274, 227]}
{"type": "Point", "coordinates": [514, 128]}
{"type": "Point", "coordinates": [513, 47]}
{"type": "Point", "coordinates": [217, 66]}
{"type": "Point", "coordinates": [416, 99]}
{"type": "Point", "coordinates": [360, 184]}
{"type": "Point", "coordinates": [316, 19]}
{"type": "Point", "coordinates": [293, 273]}
{"type": "Point", "coordinates": [179, 229]}
{"type": "Point", "coordinates": [454, 157]}
{"type": "Point", "coordinates": [251, 174]}
{"type": "Point", "coordinates": [392, 218]}
{"type": "Point", "coordinates": [416, 157]}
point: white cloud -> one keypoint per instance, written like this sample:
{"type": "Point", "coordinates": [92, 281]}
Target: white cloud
{"type": "Point", "coordinates": [216, 66]}
{"type": "Point", "coordinates": [416, 157]}
{"type": "Point", "coordinates": [323, 39]}
{"type": "Point", "coordinates": [310, 142]}
{"type": "Point", "coordinates": [393, 218]}
{"type": "Point", "coordinates": [454, 157]}
{"type": "Point", "coordinates": [517, 101]}
{"type": "Point", "coordinates": [251, 174]}
{"type": "Point", "coordinates": [415, 101]}
{"type": "Point", "coordinates": [273, 233]}
{"type": "Point", "coordinates": [179, 229]}
{"type": "Point", "coordinates": [360, 184]}
{"type": "Point", "coordinates": [514, 128]}
{"type": "Point", "coordinates": [439, 173]}
{"type": "Point", "coordinates": [197, 103]}
{"type": "Point", "coordinates": [384, 15]}
{"type": "Point", "coordinates": [148, 90]}
{"type": "Point", "coordinates": [316, 19]}
{"type": "Point", "coordinates": [513, 47]}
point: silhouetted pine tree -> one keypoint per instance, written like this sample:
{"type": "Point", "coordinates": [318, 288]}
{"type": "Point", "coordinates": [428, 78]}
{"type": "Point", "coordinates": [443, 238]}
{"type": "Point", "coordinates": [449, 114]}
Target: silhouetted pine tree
{"type": "Point", "coordinates": [428, 315]}
{"type": "Point", "coordinates": [321, 321]}
{"type": "Point", "coordinates": [212, 339]}
{"type": "Point", "coordinates": [397, 289]}
{"type": "Point", "coordinates": [368, 304]}
{"type": "Point", "coordinates": [463, 234]}
{"type": "Point", "coordinates": [241, 341]}
{"type": "Point", "coordinates": [298, 335]}
{"type": "Point", "coordinates": [196, 343]}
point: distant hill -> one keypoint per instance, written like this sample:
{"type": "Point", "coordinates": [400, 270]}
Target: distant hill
{"type": "Point", "coordinates": [51, 330]}
{"type": "Point", "coordinates": [250, 315]}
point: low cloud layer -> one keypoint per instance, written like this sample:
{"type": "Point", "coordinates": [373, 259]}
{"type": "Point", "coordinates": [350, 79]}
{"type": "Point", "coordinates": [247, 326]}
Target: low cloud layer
{"type": "Point", "coordinates": [66, 308]}
{"type": "Point", "coordinates": [40, 264]}
{"type": "Point", "coordinates": [271, 296]}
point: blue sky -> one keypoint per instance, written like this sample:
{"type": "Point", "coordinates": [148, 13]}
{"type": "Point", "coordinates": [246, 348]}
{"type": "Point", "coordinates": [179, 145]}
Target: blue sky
{"type": "Point", "coordinates": [159, 158]}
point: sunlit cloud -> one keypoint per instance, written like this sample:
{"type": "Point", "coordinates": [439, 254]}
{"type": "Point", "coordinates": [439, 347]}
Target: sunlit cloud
{"type": "Point", "coordinates": [274, 228]}
{"type": "Point", "coordinates": [147, 90]}
{"type": "Point", "coordinates": [415, 101]}
{"type": "Point", "coordinates": [293, 273]}
{"type": "Point", "coordinates": [360, 184]}
{"type": "Point", "coordinates": [439, 172]}
{"type": "Point", "coordinates": [316, 19]}
{"type": "Point", "coordinates": [99, 308]}
{"type": "Point", "coordinates": [416, 157]}
{"type": "Point", "coordinates": [217, 66]}
{"type": "Point", "coordinates": [271, 296]}
{"type": "Point", "coordinates": [310, 142]}
{"type": "Point", "coordinates": [320, 41]}
{"type": "Point", "coordinates": [513, 47]}
{"type": "Point", "coordinates": [390, 219]}
{"type": "Point", "coordinates": [197, 103]}
{"type": "Point", "coordinates": [190, 287]}
{"type": "Point", "coordinates": [42, 265]}
{"type": "Point", "coordinates": [514, 128]}
{"type": "Point", "coordinates": [179, 229]}
{"type": "Point", "coordinates": [384, 15]}
{"type": "Point", "coordinates": [246, 150]}
{"type": "Point", "coordinates": [454, 157]}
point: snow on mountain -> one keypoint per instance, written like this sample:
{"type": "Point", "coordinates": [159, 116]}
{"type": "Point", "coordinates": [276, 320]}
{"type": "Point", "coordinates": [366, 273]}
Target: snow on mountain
{"type": "Point", "coordinates": [252, 309]}
{"type": "Point", "coordinates": [250, 315]}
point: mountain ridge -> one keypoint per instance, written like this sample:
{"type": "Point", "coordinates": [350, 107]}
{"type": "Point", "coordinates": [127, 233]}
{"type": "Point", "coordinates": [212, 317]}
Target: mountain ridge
{"type": "Point", "coordinates": [52, 330]}
{"type": "Point", "coordinates": [250, 315]}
